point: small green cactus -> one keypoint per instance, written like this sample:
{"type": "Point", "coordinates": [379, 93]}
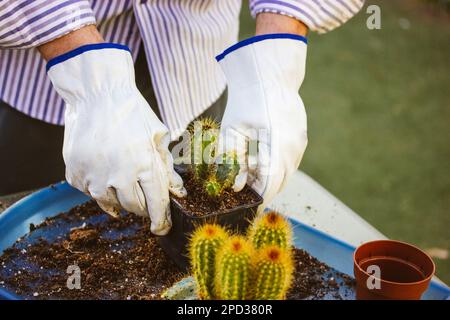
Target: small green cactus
{"type": "Point", "coordinates": [234, 270]}
{"type": "Point", "coordinates": [223, 177]}
{"type": "Point", "coordinates": [204, 245]}
{"type": "Point", "coordinates": [216, 176]}
{"type": "Point", "coordinates": [213, 187]}
{"type": "Point", "coordinates": [204, 136]}
{"type": "Point", "coordinates": [227, 169]}
{"type": "Point", "coordinates": [270, 229]}
{"type": "Point", "coordinates": [273, 273]}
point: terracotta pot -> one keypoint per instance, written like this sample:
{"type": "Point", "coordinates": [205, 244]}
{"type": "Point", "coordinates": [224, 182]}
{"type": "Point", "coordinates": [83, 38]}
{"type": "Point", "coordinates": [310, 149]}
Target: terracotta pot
{"type": "Point", "coordinates": [405, 271]}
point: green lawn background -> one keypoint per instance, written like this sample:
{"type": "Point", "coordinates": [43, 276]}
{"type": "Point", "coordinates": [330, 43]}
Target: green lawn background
{"type": "Point", "coordinates": [379, 120]}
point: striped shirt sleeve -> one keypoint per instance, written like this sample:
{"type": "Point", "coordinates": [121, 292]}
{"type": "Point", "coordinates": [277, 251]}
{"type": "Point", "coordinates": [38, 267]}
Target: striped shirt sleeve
{"type": "Point", "coordinates": [30, 23]}
{"type": "Point", "coordinates": [319, 15]}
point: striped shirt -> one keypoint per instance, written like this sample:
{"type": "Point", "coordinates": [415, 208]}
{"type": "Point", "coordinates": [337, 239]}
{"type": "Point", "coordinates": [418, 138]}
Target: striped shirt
{"type": "Point", "coordinates": [180, 38]}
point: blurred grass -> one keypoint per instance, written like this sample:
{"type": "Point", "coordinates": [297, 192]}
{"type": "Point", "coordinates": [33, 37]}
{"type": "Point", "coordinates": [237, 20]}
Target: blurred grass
{"type": "Point", "coordinates": [379, 120]}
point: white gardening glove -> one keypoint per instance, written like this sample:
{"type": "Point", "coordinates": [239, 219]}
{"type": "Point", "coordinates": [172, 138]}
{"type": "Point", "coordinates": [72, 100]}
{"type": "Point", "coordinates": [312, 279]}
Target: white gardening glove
{"type": "Point", "coordinates": [115, 148]}
{"type": "Point", "coordinates": [264, 74]}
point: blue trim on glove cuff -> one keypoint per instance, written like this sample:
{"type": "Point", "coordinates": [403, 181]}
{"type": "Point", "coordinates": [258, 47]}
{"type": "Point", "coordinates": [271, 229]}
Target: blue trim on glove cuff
{"type": "Point", "coordinates": [263, 37]}
{"type": "Point", "coordinates": [82, 49]}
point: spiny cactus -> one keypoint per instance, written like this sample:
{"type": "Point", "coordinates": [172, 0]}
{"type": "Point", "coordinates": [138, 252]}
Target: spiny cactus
{"type": "Point", "coordinates": [234, 269]}
{"type": "Point", "coordinates": [204, 135]}
{"type": "Point", "coordinates": [270, 229]}
{"type": "Point", "coordinates": [273, 273]}
{"type": "Point", "coordinates": [223, 177]}
{"type": "Point", "coordinates": [259, 266]}
{"type": "Point", "coordinates": [228, 169]}
{"type": "Point", "coordinates": [216, 173]}
{"type": "Point", "coordinates": [213, 187]}
{"type": "Point", "coordinates": [204, 245]}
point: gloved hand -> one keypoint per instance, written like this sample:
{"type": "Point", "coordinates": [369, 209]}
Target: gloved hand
{"type": "Point", "coordinates": [115, 147]}
{"type": "Point", "coordinates": [264, 74]}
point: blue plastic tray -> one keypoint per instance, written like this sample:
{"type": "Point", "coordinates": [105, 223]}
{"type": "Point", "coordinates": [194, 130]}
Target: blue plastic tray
{"type": "Point", "coordinates": [15, 221]}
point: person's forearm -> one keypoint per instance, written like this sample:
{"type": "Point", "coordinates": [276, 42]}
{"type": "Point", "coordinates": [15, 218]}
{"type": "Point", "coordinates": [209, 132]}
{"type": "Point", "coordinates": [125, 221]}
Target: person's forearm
{"type": "Point", "coordinates": [72, 40]}
{"type": "Point", "coordinates": [278, 23]}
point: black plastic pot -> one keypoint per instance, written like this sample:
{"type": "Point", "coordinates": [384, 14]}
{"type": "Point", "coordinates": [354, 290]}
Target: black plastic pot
{"type": "Point", "coordinates": [175, 243]}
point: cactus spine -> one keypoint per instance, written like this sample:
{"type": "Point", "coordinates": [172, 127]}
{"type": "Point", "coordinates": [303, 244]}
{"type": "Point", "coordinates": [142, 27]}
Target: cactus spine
{"type": "Point", "coordinates": [270, 229]}
{"type": "Point", "coordinates": [234, 269]}
{"type": "Point", "coordinates": [273, 273]}
{"type": "Point", "coordinates": [206, 241]}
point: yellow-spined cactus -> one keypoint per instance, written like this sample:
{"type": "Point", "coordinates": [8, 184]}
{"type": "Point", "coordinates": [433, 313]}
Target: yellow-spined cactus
{"type": "Point", "coordinates": [270, 229]}
{"type": "Point", "coordinates": [216, 176]}
{"type": "Point", "coordinates": [204, 137]}
{"type": "Point", "coordinates": [228, 169]}
{"type": "Point", "coordinates": [223, 176]}
{"type": "Point", "coordinates": [273, 273]}
{"type": "Point", "coordinates": [233, 267]}
{"type": "Point", "coordinates": [234, 270]}
{"type": "Point", "coordinates": [213, 186]}
{"type": "Point", "coordinates": [205, 242]}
